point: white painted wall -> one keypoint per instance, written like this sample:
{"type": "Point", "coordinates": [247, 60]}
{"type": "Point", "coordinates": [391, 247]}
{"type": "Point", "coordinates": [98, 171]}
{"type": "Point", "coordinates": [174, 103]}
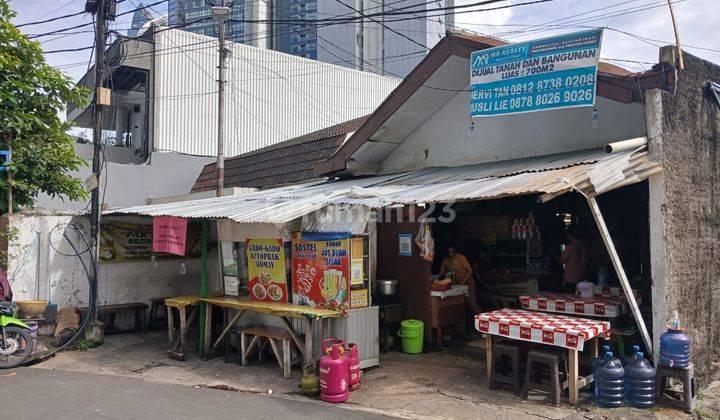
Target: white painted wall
{"type": "Point", "coordinates": [438, 120]}
{"type": "Point", "coordinates": [36, 269]}
{"type": "Point", "coordinates": [450, 142]}
{"type": "Point", "coordinates": [165, 174]}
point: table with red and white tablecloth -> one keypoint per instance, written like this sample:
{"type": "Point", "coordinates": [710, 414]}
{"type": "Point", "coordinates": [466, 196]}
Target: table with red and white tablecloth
{"type": "Point", "coordinates": [544, 328]}
{"type": "Point", "coordinates": [562, 331]}
{"type": "Point", "coordinates": [565, 303]}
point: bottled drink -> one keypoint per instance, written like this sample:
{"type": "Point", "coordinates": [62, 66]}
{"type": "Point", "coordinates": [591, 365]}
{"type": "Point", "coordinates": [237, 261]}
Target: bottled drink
{"type": "Point", "coordinates": [675, 345]}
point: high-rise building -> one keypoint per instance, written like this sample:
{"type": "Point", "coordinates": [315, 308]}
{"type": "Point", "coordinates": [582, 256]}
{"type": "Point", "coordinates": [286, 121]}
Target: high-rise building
{"type": "Point", "coordinates": [390, 44]}
{"type": "Point", "coordinates": [196, 16]}
{"type": "Point", "coordinates": [142, 15]}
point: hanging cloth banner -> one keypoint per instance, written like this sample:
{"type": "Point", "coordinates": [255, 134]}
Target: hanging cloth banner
{"type": "Point", "coordinates": [169, 234]}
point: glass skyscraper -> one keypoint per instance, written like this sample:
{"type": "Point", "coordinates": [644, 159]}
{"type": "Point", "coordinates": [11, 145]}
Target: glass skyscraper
{"type": "Point", "coordinates": [391, 45]}
{"type": "Point", "coordinates": [183, 12]}
{"type": "Point", "coordinates": [141, 16]}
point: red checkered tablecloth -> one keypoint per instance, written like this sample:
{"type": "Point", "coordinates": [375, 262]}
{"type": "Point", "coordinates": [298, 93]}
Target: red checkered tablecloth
{"type": "Point", "coordinates": [565, 303]}
{"type": "Point", "coordinates": [538, 327]}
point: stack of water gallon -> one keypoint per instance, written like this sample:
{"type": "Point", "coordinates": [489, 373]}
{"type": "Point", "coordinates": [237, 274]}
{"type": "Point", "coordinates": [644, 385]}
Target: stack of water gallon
{"type": "Point", "coordinates": [631, 381]}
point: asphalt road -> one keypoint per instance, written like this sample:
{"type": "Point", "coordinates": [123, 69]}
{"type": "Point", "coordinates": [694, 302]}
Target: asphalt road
{"type": "Point", "coordinates": [32, 393]}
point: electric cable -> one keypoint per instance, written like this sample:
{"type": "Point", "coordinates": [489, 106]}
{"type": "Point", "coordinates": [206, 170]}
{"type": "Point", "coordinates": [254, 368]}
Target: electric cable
{"type": "Point", "coordinates": [22, 25]}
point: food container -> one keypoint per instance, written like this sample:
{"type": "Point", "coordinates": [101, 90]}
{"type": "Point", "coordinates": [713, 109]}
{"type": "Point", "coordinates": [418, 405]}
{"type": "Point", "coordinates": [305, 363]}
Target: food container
{"type": "Point", "coordinates": [440, 286]}
{"type": "Point", "coordinates": [585, 289]}
{"type": "Point", "coordinates": [386, 287]}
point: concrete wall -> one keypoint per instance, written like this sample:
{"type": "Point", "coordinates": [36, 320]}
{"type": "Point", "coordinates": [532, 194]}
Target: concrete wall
{"type": "Point", "coordinates": [690, 201]}
{"type": "Point", "coordinates": [43, 265]}
{"type": "Point", "coordinates": [165, 174]}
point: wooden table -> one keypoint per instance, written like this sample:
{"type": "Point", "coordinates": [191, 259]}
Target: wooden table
{"type": "Point", "coordinates": [178, 347]}
{"type": "Point", "coordinates": [444, 312]}
{"type": "Point", "coordinates": [554, 330]}
{"type": "Point", "coordinates": [566, 303]}
{"type": "Point", "coordinates": [284, 311]}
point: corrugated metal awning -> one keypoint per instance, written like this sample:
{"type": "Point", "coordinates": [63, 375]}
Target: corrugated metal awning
{"type": "Point", "coordinates": [591, 172]}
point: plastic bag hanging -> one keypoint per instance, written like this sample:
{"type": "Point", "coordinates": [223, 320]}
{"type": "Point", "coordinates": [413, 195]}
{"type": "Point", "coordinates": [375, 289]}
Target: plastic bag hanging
{"type": "Point", "coordinates": [425, 242]}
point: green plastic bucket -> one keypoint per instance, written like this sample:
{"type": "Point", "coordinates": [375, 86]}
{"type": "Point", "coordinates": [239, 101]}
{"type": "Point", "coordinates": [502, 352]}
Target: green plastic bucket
{"type": "Point", "coordinates": [412, 334]}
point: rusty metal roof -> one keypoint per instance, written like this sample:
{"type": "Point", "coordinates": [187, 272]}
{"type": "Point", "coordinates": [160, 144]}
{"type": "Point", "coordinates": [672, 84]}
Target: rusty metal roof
{"type": "Point", "coordinates": [591, 172]}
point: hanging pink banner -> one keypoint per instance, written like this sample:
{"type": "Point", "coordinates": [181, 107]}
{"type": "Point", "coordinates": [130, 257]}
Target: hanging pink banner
{"type": "Point", "coordinates": [169, 234]}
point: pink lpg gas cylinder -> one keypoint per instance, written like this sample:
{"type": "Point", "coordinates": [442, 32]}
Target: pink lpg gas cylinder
{"type": "Point", "coordinates": [334, 374]}
{"type": "Point", "coordinates": [355, 372]}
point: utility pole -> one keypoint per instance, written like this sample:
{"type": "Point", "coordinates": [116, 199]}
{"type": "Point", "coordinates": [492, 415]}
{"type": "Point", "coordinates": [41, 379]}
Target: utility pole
{"type": "Point", "coordinates": [221, 14]}
{"type": "Point", "coordinates": [98, 104]}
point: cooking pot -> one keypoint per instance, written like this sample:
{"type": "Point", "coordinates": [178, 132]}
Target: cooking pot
{"type": "Point", "coordinates": [386, 287]}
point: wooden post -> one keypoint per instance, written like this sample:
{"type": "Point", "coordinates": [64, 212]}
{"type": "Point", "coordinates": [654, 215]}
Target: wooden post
{"type": "Point", "coordinates": [183, 330]}
{"type": "Point", "coordinates": [170, 325]}
{"type": "Point", "coordinates": [205, 327]}
{"type": "Point", "coordinates": [308, 356]}
{"type": "Point", "coordinates": [488, 355]}
{"type": "Point", "coordinates": [605, 234]}
{"type": "Point", "coordinates": [573, 377]}
{"type": "Point", "coordinates": [204, 340]}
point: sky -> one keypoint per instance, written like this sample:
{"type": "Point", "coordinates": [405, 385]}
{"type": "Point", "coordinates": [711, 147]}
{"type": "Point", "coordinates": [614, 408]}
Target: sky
{"type": "Point", "coordinates": [634, 28]}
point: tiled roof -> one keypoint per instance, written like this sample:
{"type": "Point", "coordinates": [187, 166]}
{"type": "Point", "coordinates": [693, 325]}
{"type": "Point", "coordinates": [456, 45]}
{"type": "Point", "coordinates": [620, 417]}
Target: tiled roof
{"type": "Point", "coordinates": [282, 163]}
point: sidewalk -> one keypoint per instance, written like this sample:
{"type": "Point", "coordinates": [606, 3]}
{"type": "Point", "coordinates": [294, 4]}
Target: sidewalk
{"type": "Point", "coordinates": [449, 385]}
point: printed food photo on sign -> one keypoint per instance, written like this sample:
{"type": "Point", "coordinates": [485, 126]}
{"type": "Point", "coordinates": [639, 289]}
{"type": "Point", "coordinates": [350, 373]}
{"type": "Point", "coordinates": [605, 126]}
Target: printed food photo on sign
{"type": "Point", "coordinates": [266, 269]}
{"type": "Point", "coordinates": [321, 273]}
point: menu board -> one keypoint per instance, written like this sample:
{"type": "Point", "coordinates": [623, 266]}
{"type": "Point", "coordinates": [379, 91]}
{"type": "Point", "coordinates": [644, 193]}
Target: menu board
{"type": "Point", "coordinates": [321, 273]}
{"type": "Point", "coordinates": [266, 270]}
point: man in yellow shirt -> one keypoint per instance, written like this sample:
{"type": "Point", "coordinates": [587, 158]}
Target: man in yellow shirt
{"type": "Point", "coordinates": [457, 264]}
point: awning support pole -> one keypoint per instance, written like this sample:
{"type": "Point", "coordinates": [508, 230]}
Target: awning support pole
{"type": "Point", "coordinates": [203, 282]}
{"type": "Point", "coordinates": [605, 234]}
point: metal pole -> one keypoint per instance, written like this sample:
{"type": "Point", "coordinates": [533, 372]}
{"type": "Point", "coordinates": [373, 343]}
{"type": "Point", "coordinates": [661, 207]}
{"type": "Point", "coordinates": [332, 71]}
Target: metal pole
{"type": "Point", "coordinates": [96, 163]}
{"type": "Point", "coordinates": [681, 61]}
{"type": "Point", "coordinates": [204, 239]}
{"type": "Point", "coordinates": [605, 234]}
{"type": "Point", "coordinates": [221, 14]}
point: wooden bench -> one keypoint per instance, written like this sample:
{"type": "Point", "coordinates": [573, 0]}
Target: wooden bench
{"type": "Point", "coordinates": [107, 314]}
{"type": "Point", "coordinates": [260, 337]}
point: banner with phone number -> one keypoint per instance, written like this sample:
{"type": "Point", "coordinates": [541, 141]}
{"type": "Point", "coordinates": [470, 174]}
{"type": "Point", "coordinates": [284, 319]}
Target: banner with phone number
{"type": "Point", "coordinates": [549, 73]}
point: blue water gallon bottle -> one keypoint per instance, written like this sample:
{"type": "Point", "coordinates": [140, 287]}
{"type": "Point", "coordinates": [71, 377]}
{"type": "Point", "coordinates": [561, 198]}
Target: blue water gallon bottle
{"type": "Point", "coordinates": [675, 345]}
{"type": "Point", "coordinates": [626, 360]}
{"type": "Point", "coordinates": [597, 361]}
{"type": "Point", "coordinates": [610, 383]}
{"type": "Point", "coordinates": [640, 383]}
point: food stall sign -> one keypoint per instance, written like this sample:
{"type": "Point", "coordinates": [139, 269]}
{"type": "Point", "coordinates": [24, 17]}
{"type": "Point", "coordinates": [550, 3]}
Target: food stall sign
{"type": "Point", "coordinates": [266, 270]}
{"type": "Point", "coordinates": [321, 273]}
{"type": "Point", "coordinates": [550, 73]}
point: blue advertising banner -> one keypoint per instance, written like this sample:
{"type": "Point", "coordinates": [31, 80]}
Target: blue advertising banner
{"type": "Point", "coordinates": [550, 73]}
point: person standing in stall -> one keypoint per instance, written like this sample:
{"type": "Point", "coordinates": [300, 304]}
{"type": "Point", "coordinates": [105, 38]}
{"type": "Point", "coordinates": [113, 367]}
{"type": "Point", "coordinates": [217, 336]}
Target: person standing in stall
{"type": "Point", "coordinates": [575, 258]}
{"type": "Point", "coordinates": [458, 267]}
